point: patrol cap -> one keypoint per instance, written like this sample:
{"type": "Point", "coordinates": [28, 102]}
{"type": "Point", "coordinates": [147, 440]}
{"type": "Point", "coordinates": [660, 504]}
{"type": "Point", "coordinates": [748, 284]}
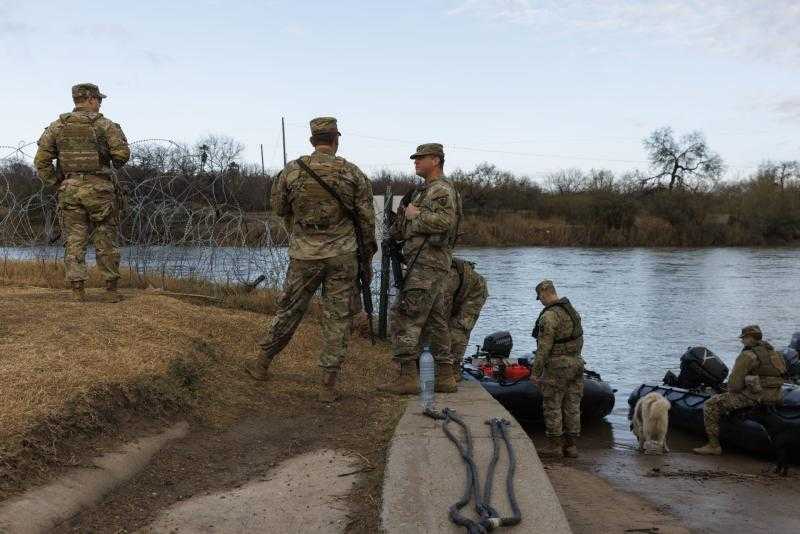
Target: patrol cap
{"type": "Point", "coordinates": [323, 125]}
{"type": "Point", "coordinates": [543, 285]}
{"type": "Point", "coordinates": [86, 90]}
{"type": "Point", "coordinates": [752, 330]}
{"type": "Point", "coordinates": [429, 149]}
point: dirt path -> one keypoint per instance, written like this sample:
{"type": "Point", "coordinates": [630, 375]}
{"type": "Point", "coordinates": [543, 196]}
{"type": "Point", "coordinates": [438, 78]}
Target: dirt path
{"type": "Point", "coordinates": [209, 460]}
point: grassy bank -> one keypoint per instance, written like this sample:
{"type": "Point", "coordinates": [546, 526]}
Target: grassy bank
{"type": "Point", "coordinates": [75, 373]}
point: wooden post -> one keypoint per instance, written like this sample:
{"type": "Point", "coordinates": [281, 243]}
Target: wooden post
{"type": "Point", "coordinates": [383, 305]}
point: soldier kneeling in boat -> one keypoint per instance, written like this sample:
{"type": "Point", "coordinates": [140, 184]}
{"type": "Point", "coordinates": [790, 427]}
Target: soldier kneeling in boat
{"type": "Point", "coordinates": [558, 370]}
{"type": "Point", "coordinates": [756, 378]}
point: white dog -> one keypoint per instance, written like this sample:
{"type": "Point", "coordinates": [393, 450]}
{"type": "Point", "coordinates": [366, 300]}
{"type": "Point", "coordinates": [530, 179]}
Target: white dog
{"type": "Point", "coordinates": [650, 423]}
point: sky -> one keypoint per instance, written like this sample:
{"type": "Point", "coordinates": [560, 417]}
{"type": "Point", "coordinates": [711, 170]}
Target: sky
{"type": "Point", "coordinates": [529, 85]}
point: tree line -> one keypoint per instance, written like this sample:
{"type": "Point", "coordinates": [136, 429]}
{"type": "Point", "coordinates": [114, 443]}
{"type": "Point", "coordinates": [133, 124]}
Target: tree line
{"type": "Point", "coordinates": [679, 200]}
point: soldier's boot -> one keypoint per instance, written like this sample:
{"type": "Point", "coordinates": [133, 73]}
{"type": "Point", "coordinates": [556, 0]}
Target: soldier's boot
{"type": "Point", "coordinates": [712, 448]}
{"type": "Point", "coordinates": [112, 294]}
{"type": "Point", "coordinates": [78, 292]}
{"type": "Point", "coordinates": [445, 379]}
{"type": "Point", "coordinates": [570, 448]}
{"type": "Point", "coordinates": [553, 448]}
{"type": "Point", "coordinates": [329, 394]}
{"type": "Point", "coordinates": [258, 368]}
{"type": "Point", "coordinates": [406, 382]}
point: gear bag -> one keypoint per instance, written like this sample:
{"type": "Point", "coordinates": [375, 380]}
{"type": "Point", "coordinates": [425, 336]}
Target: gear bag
{"type": "Point", "coordinates": [701, 367]}
{"type": "Point", "coordinates": [79, 149]}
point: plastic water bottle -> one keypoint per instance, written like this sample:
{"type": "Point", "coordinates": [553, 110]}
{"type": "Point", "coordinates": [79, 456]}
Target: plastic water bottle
{"type": "Point", "coordinates": [427, 378]}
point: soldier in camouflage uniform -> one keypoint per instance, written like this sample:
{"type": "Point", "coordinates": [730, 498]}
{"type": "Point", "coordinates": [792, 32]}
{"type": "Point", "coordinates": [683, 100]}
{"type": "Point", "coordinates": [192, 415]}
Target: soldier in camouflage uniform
{"type": "Point", "coordinates": [756, 378]}
{"type": "Point", "coordinates": [428, 227]}
{"type": "Point", "coordinates": [86, 145]}
{"type": "Point", "coordinates": [558, 370]}
{"type": "Point", "coordinates": [322, 250]}
{"type": "Point", "coordinates": [465, 295]}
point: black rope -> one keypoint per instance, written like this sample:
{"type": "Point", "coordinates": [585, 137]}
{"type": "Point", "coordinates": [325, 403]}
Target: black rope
{"type": "Point", "coordinates": [489, 517]}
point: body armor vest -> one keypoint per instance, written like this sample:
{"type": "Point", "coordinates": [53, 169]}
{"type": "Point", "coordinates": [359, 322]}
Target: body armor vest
{"type": "Point", "coordinates": [770, 363]}
{"type": "Point", "coordinates": [79, 149]}
{"type": "Point", "coordinates": [315, 208]}
{"type": "Point", "coordinates": [577, 329]}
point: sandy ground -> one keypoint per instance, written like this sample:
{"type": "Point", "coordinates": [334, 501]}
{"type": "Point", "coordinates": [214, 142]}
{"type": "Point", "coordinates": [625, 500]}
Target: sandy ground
{"type": "Point", "coordinates": [614, 488]}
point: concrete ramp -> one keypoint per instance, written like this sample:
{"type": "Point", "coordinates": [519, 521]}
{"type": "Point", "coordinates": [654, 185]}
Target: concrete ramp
{"type": "Point", "coordinates": [425, 474]}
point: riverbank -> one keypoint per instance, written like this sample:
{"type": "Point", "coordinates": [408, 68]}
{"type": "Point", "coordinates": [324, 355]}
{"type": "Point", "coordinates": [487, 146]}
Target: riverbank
{"type": "Point", "coordinates": [614, 488]}
{"type": "Point", "coordinates": [81, 378]}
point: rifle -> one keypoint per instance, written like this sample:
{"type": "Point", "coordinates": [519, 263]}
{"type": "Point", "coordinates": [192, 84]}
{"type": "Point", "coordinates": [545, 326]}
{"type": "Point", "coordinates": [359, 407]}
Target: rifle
{"type": "Point", "coordinates": [361, 253]}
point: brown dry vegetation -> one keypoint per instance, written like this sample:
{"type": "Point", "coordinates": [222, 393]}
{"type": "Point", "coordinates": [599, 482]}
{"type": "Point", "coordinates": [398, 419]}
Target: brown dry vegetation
{"type": "Point", "coordinates": [72, 371]}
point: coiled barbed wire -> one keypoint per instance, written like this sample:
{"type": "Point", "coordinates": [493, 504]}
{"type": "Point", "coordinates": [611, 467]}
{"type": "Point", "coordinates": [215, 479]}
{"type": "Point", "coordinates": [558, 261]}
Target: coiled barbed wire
{"type": "Point", "coordinates": [183, 216]}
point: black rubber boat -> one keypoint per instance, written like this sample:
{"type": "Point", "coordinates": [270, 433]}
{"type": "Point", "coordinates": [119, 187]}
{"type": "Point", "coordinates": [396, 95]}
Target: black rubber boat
{"type": "Point", "coordinates": [507, 380]}
{"type": "Point", "coordinates": [702, 375]}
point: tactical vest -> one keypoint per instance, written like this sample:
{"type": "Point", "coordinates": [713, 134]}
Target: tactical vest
{"type": "Point", "coordinates": [315, 208]}
{"type": "Point", "coordinates": [577, 329]}
{"type": "Point", "coordinates": [79, 148]}
{"type": "Point", "coordinates": [771, 365]}
{"type": "Point", "coordinates": [461, 290]}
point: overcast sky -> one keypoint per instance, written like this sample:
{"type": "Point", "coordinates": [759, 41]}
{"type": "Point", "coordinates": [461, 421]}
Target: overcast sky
{"type": "Point", "coordinates": [529, 85]}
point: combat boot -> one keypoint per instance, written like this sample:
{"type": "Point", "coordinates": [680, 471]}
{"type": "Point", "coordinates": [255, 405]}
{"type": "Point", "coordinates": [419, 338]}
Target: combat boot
{"type": "Point", "coordinates": [258, 368]}
{"type": "Point", "coordinates": [78, 293]}
{"type": "Point", "coordinates": [329, 394]}
{"type": "Point", "coordinates": [406, 382]}
{"type": "Point", "coordinates": [553, 448]}
{"type": "Point", "coordinates": [112, 294]}
{"type": "Point", "coordinates": [712, 448]}
{"type": "Point", "coordinates": [570, 449]}
{"type": "Point", "coordinates": [445, 379]}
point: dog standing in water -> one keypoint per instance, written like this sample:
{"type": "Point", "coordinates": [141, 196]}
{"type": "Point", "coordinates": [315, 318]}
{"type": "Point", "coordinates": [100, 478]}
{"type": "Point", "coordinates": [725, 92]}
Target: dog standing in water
{"type": "Point", "coordinates": [650, 423]}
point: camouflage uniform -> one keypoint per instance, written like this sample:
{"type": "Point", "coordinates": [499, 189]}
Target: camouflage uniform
{"type": "Point", "coordinates": [85, 144]}
{"type": "Point", "coordinates": [744, 390]}
{"type": "Point", "coordinates": [322, 247]}
{"type": "Point", "coordinates": [428, 244]}
{"type": "Point", "coordinates": [469, 293]}
{"type": "Point", "coordinates": [558, 361]}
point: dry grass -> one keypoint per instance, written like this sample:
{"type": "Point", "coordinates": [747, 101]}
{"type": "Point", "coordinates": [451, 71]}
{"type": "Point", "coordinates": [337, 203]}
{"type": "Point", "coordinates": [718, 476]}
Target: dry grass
{"type": "Point", "coordinates": [68, 369]}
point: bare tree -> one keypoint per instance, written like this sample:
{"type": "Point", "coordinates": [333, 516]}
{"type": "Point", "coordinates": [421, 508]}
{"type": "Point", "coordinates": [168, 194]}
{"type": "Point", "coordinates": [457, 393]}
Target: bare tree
{"type": "Point", "coordinates": [600, 180]}
{"type": "Point", "coordinates": [685, 162]}
{"type": "Point", "coordinates": [779, 172]}
{"type": "Point", "coordinates": [566, 181]}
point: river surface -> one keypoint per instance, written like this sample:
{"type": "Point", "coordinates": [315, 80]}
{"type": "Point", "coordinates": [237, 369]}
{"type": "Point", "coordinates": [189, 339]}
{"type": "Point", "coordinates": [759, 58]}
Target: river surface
{"type": "Point", "coordinates": [642, 308]}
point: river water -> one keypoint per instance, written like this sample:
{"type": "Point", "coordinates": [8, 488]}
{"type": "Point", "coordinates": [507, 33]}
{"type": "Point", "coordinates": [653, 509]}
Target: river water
{"type": "Point", "coordinates": [642, 308]}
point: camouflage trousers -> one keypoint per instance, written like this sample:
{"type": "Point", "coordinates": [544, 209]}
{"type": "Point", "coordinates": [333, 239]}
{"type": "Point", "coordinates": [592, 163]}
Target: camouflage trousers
{"type": "Point", "coordinates": [89, 201]}
{"type": "Point", "coordinates": [337, 276]}
{"type": "Point", "coordinates": [419, 307]}
{"type": "Point", "coordinates": [562, 391]}
{"type": "Point", "coordinates": [721, 405]}
{"type": "Point", "coordinates": [460, 329]}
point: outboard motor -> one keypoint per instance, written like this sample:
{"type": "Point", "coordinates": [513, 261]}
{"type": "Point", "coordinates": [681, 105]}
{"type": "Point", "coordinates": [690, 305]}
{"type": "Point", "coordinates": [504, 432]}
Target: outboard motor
{"type": "Point", "coordinates": [792, 362]}
{"type": "Point", "coordinates": [498, 345]}
{"type": "Point", "coordinates": [701, 367]}
{"type": "Point", "coordinates": [496, 350]}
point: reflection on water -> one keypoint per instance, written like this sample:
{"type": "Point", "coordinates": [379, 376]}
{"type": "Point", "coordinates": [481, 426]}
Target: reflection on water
{"type": "Point", "coordinates": [642, 308]}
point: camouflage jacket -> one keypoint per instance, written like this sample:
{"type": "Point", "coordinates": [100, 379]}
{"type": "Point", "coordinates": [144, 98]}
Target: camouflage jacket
{"type": "Point", "coordinates": [763, 361]}
{"type": "Point", "coordinates": [113, 146]}
{"type": "Point", "coordinates": [555, 334]}
{"type": "Point", "coordinates": [319, 227]}
{"type": "Point", "coordinates": [467, 287]}
{"type": "Point", "coordinates": [429, 238]}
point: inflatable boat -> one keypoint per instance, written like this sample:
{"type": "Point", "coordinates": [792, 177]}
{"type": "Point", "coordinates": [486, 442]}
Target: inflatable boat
{"type": "Point", "coordinates": [702, 375]}
{"type": "Point", "coordinates": [508, 380]}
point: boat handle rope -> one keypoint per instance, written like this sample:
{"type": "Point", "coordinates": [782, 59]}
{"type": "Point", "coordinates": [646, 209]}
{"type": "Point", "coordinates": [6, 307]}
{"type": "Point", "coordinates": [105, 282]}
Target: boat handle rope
{"type": "Point", "coordinates": [489, 517]}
